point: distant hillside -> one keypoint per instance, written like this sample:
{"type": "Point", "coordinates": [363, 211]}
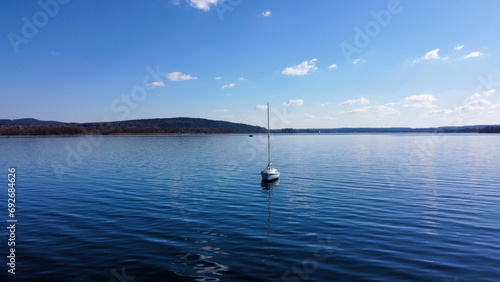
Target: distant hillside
{"type": "Point", "coordinates": [142, 126]}
{"type": "Point", "coordinates": [184, 125]}
{"type": "Point", "coordinates": [27, 121]}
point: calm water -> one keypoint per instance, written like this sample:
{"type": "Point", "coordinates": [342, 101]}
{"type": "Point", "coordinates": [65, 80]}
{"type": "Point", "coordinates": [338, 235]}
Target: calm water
{"type": "Point", "coordinates": [193, 208]}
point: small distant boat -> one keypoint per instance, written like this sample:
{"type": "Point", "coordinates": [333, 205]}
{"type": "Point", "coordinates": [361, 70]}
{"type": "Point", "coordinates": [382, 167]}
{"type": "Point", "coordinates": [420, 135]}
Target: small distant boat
{"type": "Point", "coordinates": [250, 135]}
{"type": "Point", "coordinates": [269, 173]}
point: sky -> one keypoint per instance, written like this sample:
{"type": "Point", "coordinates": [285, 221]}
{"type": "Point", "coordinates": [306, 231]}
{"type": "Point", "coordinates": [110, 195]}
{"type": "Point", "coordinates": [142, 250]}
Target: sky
{"type": "Point", "coordinates": [320, 64]}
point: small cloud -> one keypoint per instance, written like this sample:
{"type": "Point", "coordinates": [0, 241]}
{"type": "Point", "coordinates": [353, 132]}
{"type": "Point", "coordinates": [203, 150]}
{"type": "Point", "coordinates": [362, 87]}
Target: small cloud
{"type": "Point", "coordinates": [176, 2]}
{"type": "Point", "coordinates": [473, 54]}
{"type": "Point", "coordinates": [221, 111]}
{"type": "Point", "coordinates": [204, 4]}
{"type": "Point", "coordinates": [475, 96]}
{"type": "Point", "coordinates": [301, 69]}
{"type": "Point", "coordinates": [431, 55]}
{"type": "Point", "coordinates": [420, 101]}
{"type": "Point", "coordinates": [298, 102]}
{"type": "Point", "coordinates": [266, 13]}
{"type": "Point", "coordinates": [328, 118]}
{"type": "Point", "coordinates": [489, 92]}
{"type": "Point", "coordinates": [218, 77]}
{"type": "Point", "coordinates": [324, 104]}
{"type": "Point", "coordinates": [475, 105]}
{"type": "Point", "coordinates": [242, 79]}
{"type": "Point", "coordinates": [480, 102]}
{"type": "Point", "coordinates": [378, 111]}
{"type": "Point", "coordinates": [459, 47]}
{"type": "Point", "coordinates": [334, 66]}
{"type": "Point", "coordinates": [356, 61]}
{"type": "Point", "coordinates": [441, 112]}
{"type": "Point", "coordinates": [261, 107]}
{"type": "Point", "coordinates": [390, 104]}
{"type": "Point", "coordinates": [308, 116]}
{"type": "Point", "coordinates": [157, 83]}
{"type": "Point", "coordinates": [361, 100]}
{"type": "Point", "coordinates": [231, 85]}
{"type": "Point", "coordinates": [178, 76]}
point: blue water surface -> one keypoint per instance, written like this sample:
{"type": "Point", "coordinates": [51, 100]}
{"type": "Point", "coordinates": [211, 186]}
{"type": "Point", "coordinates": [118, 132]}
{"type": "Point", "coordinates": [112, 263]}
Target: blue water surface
{"type": "Point", "coordinates": [193, 208]}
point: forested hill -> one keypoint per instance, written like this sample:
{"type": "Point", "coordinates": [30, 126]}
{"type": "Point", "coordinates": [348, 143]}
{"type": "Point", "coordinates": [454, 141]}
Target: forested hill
{"type": "Point", "coordinates": [184, 125]}
{"type": "Point", "coordinates": [141, 126]}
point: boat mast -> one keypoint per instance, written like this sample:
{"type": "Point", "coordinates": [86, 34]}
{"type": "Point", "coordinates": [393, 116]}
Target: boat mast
{"type": "Point", "coordinates": [268, 138]}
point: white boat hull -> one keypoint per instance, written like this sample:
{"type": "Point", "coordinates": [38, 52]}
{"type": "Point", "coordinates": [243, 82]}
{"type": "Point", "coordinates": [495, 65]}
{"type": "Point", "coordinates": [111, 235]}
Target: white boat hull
{"type": "Point", "coordinates": [270, 174]}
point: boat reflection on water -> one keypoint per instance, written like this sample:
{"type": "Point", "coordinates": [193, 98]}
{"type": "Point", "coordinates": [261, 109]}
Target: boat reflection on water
{"type": "Point", "coordinates": [268, 187]}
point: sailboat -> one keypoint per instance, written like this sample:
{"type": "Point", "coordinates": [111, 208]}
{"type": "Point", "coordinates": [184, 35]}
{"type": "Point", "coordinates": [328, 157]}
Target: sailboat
{"type": "Point", "coordinates": [269, 173]}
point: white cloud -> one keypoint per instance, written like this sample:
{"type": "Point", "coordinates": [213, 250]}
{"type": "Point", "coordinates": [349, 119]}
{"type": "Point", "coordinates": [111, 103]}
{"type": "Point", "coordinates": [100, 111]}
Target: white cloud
{"type": "Point", "coordinates": [308, 116]}
{"type": "Point", "coordinates": [475, 105]}
{"type": "Point", "coordinates": [301, 69]}
{"type": "Point", "coordinates": [334, 66]}
{"type": "Point", "coordinates": [218, 77]}
{"type": "Point", "coordinates": [379, 110]}
{"type": "Point", "coordinates": [157, 83]}
{"type": "Point", "coordinates": [459, 47]}
{"type": "Point", "coordinates": [328, 118]}
{"type": "Point", "coordinates": [473, 54]}
{"type": "Point", "coordinates": [266, 13]}
{"type": "Point", "coordinates": [431, 55]}
{"type": "Point", "coordinates": [479, 102]}
{"type": "Point", "coordinates": [261, 107]}
{"type": "Point", "coordinates": [221, 111]}
{"type": "Point", "coordinates": [242, 79]}
{"type": "Point", "coordinates": [420, 101]}
{"type": "Point", "coordinates": [298, 102]}
{"type": "Point", "coordinates": [231, 85]}
{"type": "Point", "coordinates": [324, 104]}
{"type": "Point", "coordinates": [390, 104]}
{"type": "Point", "coordinates": [438, 113]}
{"type": "Point", "coordinates": [489, 92]}
{"type": "Point", "coordinates": [178, 76]}
{"type": "Point", "coordinates": [356, 61]}
{"type": "Point", "coordinates": [176, 2]}
{"type": "Point", "coordinates": [204, 4]}
{"type": "Point", "coordinates": [485, 93]}
{"type": "Point", "coordinates": [361, 100]}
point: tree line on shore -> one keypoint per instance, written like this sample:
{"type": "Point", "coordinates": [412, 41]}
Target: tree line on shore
{"type": "Point", "coordinates": [149, 126]}
{"type": "Point", "coordinates": [490, 129]}
{"type": "Point", "coordinates": [195, 126]}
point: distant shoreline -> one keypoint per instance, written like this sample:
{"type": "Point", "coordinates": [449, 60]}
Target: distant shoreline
{"type": "Point", "coordinates": [196, 126]}
{"type": "Point", "coordinates": [276, 132]}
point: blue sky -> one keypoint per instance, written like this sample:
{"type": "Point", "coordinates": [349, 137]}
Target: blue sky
{"type": "Point", "coordinates": [320, 64]}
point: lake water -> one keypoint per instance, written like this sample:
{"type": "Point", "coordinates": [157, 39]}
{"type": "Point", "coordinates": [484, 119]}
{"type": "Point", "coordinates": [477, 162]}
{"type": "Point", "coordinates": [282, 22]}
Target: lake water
{"type": "Point", "coordinates": [193, 208]}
